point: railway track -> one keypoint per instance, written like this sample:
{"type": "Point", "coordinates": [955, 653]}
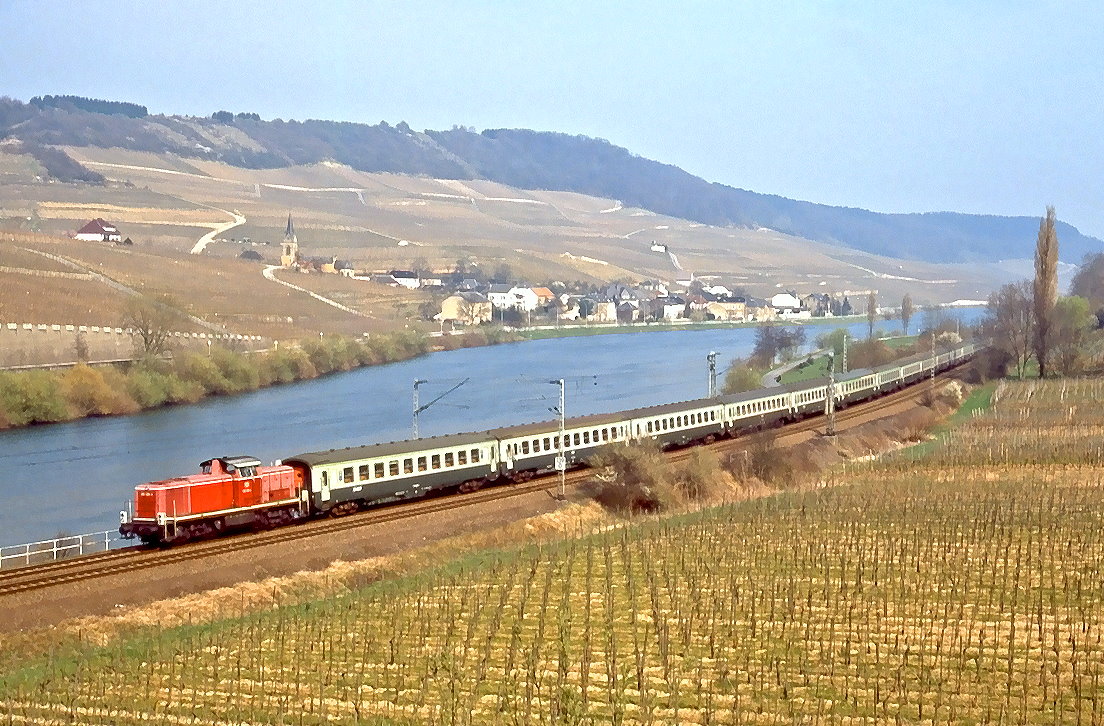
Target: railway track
{"type": "Point", "coordinates": [126, 560]}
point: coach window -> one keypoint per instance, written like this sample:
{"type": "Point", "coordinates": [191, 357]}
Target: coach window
{"type": "Point", "coordinates": [586, 437]}
{"type": "Point", "coordinates": [421, 463]}
{"type": "Point", "coordinates": [363, 472]}
{"type": "Point", "coordinates": [448, 459]}
{"type": "Point", "coordinates": [379, 470]}
{"type": "Point", "coordinates": [547, 443]}
{"type": "Point", "coordinates": [393, 467]}
{"type": "Point", "coordinates": [435, 461]}
{"type": "Point", "coordinates": [576, 438]}
{"type": "Point", "coordinates": [475, 456]}
{"type": "Point", "coordinates": [408, 466]}
{"type": "Point", "coordinates": [605, 434]}
{"type": "Point", "coordinates": [536, 445]}
{"type": "Point", "coordinates": [461, 457]}
{"type": "Point", "coordinates": [525, 447]}
{"type": "Point", "coordinates": [347, 475]}
{"type": "Point", "coordinates": [649, 427]}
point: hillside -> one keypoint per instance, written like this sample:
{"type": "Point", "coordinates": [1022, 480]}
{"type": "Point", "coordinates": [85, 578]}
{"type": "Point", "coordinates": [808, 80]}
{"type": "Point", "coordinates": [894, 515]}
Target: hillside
{"type": "Point", "coordinates": [519, 158]}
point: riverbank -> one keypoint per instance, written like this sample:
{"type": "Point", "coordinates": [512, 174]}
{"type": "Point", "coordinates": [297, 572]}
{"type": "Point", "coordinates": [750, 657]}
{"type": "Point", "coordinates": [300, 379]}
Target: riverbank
{"type": "Point", "coordinates": [36, 397]}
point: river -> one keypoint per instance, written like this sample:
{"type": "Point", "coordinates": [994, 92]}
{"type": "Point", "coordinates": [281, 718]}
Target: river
{"type": "Point", "coordinates": [75, 477]}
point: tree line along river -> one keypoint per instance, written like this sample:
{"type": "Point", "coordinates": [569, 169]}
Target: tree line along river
{"type": "Point", "coordinates": [74, 477]}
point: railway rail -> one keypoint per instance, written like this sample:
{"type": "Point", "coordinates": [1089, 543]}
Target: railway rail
{"type": "Point", "coordinates": [121, 561]}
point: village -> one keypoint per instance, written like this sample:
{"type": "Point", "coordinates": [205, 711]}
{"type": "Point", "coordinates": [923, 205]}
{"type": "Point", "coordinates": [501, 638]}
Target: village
{"type": "Point", "coordinates": [466, 295]}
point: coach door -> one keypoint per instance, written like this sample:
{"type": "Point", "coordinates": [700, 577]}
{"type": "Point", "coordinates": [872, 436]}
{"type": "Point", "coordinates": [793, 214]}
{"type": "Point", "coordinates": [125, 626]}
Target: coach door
{"type": "Point", "coordinates": [324, 486]}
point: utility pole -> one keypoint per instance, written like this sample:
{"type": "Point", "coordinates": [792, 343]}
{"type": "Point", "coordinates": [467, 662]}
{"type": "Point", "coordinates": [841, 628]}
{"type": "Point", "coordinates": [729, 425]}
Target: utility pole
{"type": "Point", "coordinates": [561, 460]}
{"type": "Point", "coordinates": [830, 403]}
{"type": "Point", "coordinates": [417, 408]}
{"type": "Point", "coordinates": [712, 358]}
{"type": "Point", "coordinates": [843, 363]}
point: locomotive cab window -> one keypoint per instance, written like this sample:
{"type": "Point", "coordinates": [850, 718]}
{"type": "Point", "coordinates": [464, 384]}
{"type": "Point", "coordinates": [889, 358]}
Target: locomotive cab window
{"type": "Point", "coordinates": [247, 471]}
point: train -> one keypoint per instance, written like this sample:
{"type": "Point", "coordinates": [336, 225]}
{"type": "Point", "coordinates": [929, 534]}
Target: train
{"type": "Point", "coordinates": [239, 492]}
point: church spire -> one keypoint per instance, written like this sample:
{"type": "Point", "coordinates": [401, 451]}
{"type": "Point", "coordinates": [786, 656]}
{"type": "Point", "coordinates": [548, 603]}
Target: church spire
{"type": "Point", "coordinates": [289, 233]}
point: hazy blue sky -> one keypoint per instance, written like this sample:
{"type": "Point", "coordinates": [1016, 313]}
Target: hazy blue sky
{"type": "Point", "coordinates": [895, 106]}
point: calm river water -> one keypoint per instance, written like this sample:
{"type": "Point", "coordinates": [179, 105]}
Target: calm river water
{"type": "Point", "coordinates": [75, 477]}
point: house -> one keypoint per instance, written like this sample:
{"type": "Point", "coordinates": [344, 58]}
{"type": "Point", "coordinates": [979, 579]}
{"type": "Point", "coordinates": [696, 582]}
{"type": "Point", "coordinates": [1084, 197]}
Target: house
{"type": "Point", "coordinates": [817, 303]}
{"type": "Point", "coordinates": [501, 296]}
{"type": "Point", "coordinates": [627, 312]}
{"type": "Point", "coordinates": [658, 247]}
{"type": "Point", "coordinates": [432, 282]}
{"type": "Point", "coordinates": [406, 278]}
{"type": "Point", "coordinates": [544, 295]}
{"type": "Point", "coordinates": [527, 299]}
{"type": "Point", "coordinates": [786, 302]}
{"type": "Point", "coordinates": [466, 308]}
{"type": "Point", "coordinates": [604, 312]}
{"type": "Point", "coordinates": [729, 308]}
{"type": "Point", "coordinates": [669, 308]}
{"type": "Point", "coordinates": [99, 231]}
{"type": "Point", "coordinates": [717, 290]}
{"type": "Point", "coordinates": [759, 310]}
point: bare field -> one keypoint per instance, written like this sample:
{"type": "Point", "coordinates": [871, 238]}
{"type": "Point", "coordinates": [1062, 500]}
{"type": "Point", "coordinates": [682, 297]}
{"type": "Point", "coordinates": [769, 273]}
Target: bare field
{"type": "Point", "coordinates": [225, 291]}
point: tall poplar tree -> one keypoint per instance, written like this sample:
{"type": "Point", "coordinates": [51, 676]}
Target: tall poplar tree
{"type": "Point", "coordinates": [906, 312]}
{"type": "Point", "coordinates": [1045, 288]}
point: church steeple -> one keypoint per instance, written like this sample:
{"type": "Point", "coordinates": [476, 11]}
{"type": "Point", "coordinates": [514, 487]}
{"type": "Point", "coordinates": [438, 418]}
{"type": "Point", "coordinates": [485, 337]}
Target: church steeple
{"type": "Point", "coordinates": [289, 233]}
{"type": "Point", "coordinates": [290, 249]}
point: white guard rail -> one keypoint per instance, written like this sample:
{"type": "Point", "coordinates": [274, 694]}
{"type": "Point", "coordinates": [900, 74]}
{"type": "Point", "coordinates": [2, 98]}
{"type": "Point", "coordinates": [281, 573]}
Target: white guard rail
{"type": "Point", "coordinates": [50, 550]}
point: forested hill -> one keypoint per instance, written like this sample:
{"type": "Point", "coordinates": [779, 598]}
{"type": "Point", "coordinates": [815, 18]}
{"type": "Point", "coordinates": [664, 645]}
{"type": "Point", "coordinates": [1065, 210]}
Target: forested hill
{"type": "Point", "coordinates": [520, 158]}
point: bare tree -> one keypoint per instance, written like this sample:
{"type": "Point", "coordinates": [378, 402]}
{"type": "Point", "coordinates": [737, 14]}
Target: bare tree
{"type": "Point", "coordinates": [906, 312]}
{"type": "Point", "coordinates": [1010, 322]}
{"type": "Point", "coordinates": [152, 322]}
{"type": "Point", "coordinates": [871, 312]}
{"type": "Point", "coordinates": [1046, 288]}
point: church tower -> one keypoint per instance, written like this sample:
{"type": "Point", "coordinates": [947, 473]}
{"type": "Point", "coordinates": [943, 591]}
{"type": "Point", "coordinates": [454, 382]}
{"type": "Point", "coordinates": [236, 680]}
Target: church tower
{"type": "Point", "coordinates": [289, 256]}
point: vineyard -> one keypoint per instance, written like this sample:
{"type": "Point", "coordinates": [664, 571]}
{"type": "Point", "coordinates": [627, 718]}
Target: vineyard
{"type": "Point", "coordinates": [962, 587]}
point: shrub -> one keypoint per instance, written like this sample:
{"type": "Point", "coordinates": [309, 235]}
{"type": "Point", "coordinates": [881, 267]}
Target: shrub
{"type": "Point", "coordinates": [636, 479]}
{"type": "Point", "coordinates": [33, 397]}
{"type": "Point", "coordinates": [150, 387]}
{"type": "Point", "coordinates": [763, 460]}
{"type": "Point", "coordinates": [202, 371]}
{"type": "Point", "coordinates": [742, 376]}
{"type": "Point", "coordinates": [702, 477]}
{"type": "Point", "coordinates": [89, 392]}
{"type": "Point", "coordinates": [240, 372]}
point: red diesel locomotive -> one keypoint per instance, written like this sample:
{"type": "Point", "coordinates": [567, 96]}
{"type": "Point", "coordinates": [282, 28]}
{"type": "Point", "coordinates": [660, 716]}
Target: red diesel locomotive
{"type": "Point", "coordinates": [230, 492]}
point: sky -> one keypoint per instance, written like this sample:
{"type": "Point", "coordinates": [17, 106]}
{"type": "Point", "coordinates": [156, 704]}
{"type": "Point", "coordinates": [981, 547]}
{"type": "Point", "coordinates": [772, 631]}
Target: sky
{"type": "Point", "coordinates": [983, 107]}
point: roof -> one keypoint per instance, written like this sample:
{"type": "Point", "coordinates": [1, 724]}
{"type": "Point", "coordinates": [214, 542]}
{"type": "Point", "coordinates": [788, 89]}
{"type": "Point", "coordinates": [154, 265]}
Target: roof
{"type": "Point", "coordinates": [500, 288]}
{"type": "Point", "coordinates": [289, 233]}
{"type": "Point", "coordinates": [98, 226]}
{"type": "Point", "coordinates": [391, 448]}
{"type": "Point", "coordinates": [473, 297]}
{"type": "Point", "coordinates": [543, 292]}
{"type": "Point", "coordinates": [405, 274]}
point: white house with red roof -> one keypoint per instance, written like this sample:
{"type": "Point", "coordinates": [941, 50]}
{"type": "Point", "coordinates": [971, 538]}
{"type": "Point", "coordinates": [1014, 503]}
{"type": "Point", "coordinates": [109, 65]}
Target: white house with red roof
{"type": "Point", "coordinates": [99, 231]}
